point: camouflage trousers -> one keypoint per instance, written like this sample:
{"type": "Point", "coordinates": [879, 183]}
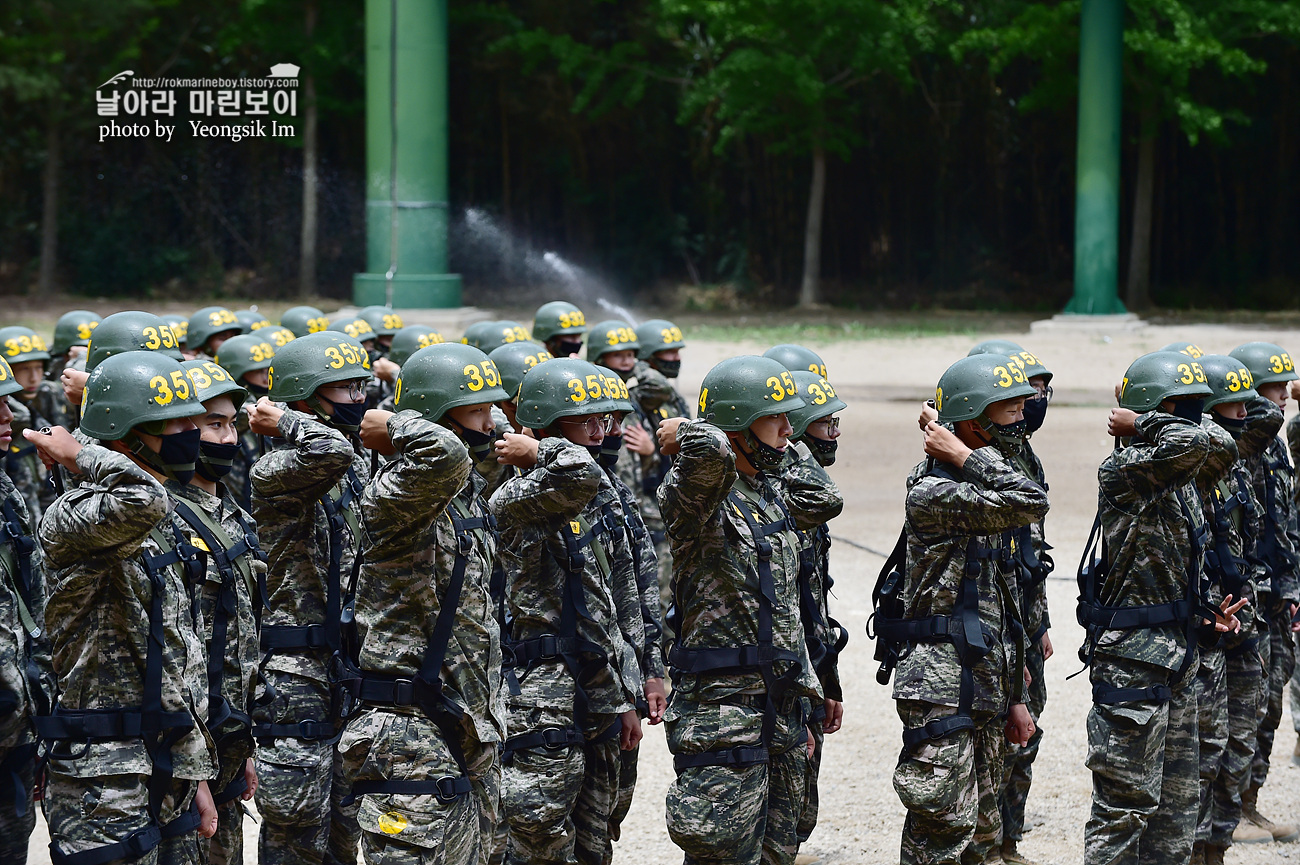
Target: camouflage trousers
{"type": "Point", "coordinates": [738, 813]}
{"type": "Point", "coordinates": [1295, 687]}
{"type": "Point", "coordinates": [664, 555]}
{"type": "Point", "coordinates": [483, 760]}
{"type": "Point", "coordinates": [1279, 662]}
{"type": "Point", "coordinates": [1211, 693]}
{"type": "Point", "coordinates": [383, 744]}
{"type": "Point", "coordinates": [626, 790]}
{"type": "Point", "coordinates": [301, 787]}
{"type": "Point", "coordinates": [811, 803]}
{"type": "Point", "coordinates": [1245, 678]}
{"type": "Point", "coordinates": [558, 801]}
{"type": "Point", "coordinates": [950, 789]}
{"type": "Point", "coordinates": [1143, 758]}
{"type": "Point", "coordinates": [88, 813]}
{"type": "Point", "coordinates": [16, 784]}
{"type": "Point", "coordinates": [227, 846]}
{"type": "Point", "coordinates": [1019, 774]}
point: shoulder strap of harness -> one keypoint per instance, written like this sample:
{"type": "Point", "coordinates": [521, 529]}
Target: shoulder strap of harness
{"type": "Point", "coordinates": [636, 532]}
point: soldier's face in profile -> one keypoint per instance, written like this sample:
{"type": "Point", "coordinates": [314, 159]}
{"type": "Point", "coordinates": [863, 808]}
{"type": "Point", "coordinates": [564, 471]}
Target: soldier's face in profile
{"type": "Point", "coordinates": [217, 423]}
{"type": "Point", "coordinates": [474, 417]}
{"type": "Point", "coordinates": [773, 430]}
{"type": "Point", "coordinates": [1006, 411]}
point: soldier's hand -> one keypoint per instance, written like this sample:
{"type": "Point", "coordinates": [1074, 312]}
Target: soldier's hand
{"type": "Point", "coordinates": [834, 716]}
{"type": "Point", "coordinates": [1295, 625]}
{"type": "Point", "coordinates": [1119, 390]}
{"type": "Point", "coordinates": [74, 384]}
{"type": "Point", "coordinates": [207, 811]}
{"type": "Point", "coordinates": [514, 449]}
{"type": "Point", "coordinates": [1121, 423]}
{"type": "Point", "coordinates": [1028, 677]}
{"type": "Point", "coordinates": [264, 417]}
{"type": "Point", "coordinates": [928, 414]}
{"type": "Point", "coordinates": [668, 435]}
{"type": "Point", "coordinates": [637, 440]}
{"type": "Point", "coordinates": [385, 369]}
{"type": "Point", "coordinates": [1046, 643]}
{"type": "Point", "coordinates": [56, 447]}
{"type": "Point", "coordinates": [1225, 621]}
{"type": "Point", "coordinates": [1020, 726]}
{"type": "Point", "coordinates": [630, 736]}
{"type": "Point", "coordinates": [656, 698]}
{"type": "Point", "coordinates": [77, 352]}
{"type": "Point", "coordinates": [812, 742]}
{"type": "Point", "coordinates": [943, 444]}
{"type": "Point", "coordinates": [374, 432]}
{"type": "Point", "coordinates": [250, 778]}
{"type": "Point", "coordinates": [1294, 389]}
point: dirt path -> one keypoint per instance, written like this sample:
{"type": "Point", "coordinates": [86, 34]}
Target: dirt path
{"type": "Point", "coordinates": [884, 381]}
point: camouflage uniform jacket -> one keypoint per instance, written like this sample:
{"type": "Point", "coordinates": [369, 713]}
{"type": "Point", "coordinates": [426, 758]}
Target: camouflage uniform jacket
{"type": "Point", "coordinates": [409, 549]}
{"type": "Point", "coordinates": [646, 568]}
{"type": "Point", "coordinates": [251, 447]}
{"type": "Point", "coordinates": [563, 492]}
{"type": "Point", "coordinates": [239, 674]}
{"type": "Point", "coordinates": [1273, 475]}
{"type": "Point", "coordinates": [715, 563]}
{"type": "Point", "coordinates": [656, 395]}
{"type": "Point", "coordinates": [1143, 490]}
{"type": "Point", "coordinates": [51, 404]}
{"type": "Point", "coordinates": [24, 650]}
{"type": "Point", "coordinates": [1032, 603]}
{"type": "Point", "coordinates": [656, 400]}
{"type": "Point", "coordinates": [293, 527]}
{"type": "Point", "coordinates": [803, 474]}
{"type": "Point", "coordinates": [944, 515]}
{"type": "Point", "coordinates": [98, 612]}
{"type": "Point", "coordinates": [23, 464]}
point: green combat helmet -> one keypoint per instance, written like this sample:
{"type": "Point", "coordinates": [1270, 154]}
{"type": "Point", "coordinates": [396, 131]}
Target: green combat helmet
{"type": "Point", "coordinates": [657, 334]}
{"type": "Point", "coordinates": [477, 333]}
{"type": "Point", "coordinates": [1190, 349]}
{"type": "Point", "coordinates": [514, 361]}
{"type": "Point", "coordinates": [494, 334]}
{"type": "Point", "coordinates": [975, 382]}
{"type": "Point", "coordinates": [608, 336]}
{"type": "Point", "coordinates": [411, 339]}
{"type": "Point", "coordinates": [1267, 362]}
{"type": "Point", "coordinates": [210, 381]}
{"type": "Point", "coordinates": [8, 384]}
{"type": "Point", "coordinates": [1161, 375]}
{"type": "Point", "coordinates": [302, 320]}
{"type": "Point", "coordinates": [383, 321]}
{"type": "Point", "coordinates": [820, 400]}
{"type": "Point", "coordinates": [21, 344]}
{"type": "Point", "coordinates": [132, 330]}
{"type": "Point", "coordinates": [558, 318]}
{"type": "Point", "coordinates": [739, 391]}
{"type": "Point", "coordinates": [73, 328]}
{"type": "Point", "coordinates": [245, 353]}
{"type": "Point", "coordinates": [314, 360]}
{"type": "Point", "coordinates": [278, 334]}
{"type": "Point", "coordinates": [207, 323]}
{"type": "Point", "coordinates": [795, 357]}
{"type": "Point", "coordinates": [1026, 360]}
{"type": "Point", "coordinates": [563, 387]}
{"type": "Point", "coordinates": [442, 377]}
{"type": "Point", "coordinates": [251, 320]}
{"type": "Point", "coordinates": [354, 326]}
{"type": "Point", "coordinates": [1228, 378]}
{"type": "Point", "coordinates": [180, 326]}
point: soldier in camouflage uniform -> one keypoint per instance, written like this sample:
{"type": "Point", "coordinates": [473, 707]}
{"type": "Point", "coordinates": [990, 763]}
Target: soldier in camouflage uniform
{"type": "Point", "coordinates": [233, 567]}
{"type": "Point", "coordinates": [1293, 444]}
{"type": "Point", "coordinates": [305, 499]}
{"type": "Point", "coordinates": [302, 320]}
{"type": "Point", "coordinates": [1273, 477]}
{"type": "Point", "coordinates": [959, 693]}
{"type": "Point", "coordinates": [131, 330]}
{"type": "Point", "coordinates": [25, 686]}
{"type": "Point", "coordinates": [207, 329]}
{"type": "Point", "coordinates": [247, 358]}
{"type": "Point", "coordinates": [743, 682]}
{"type": "Point", "coordinates": [1143, 605]}
{"type": "Point", "coordinates": [24, 349]}
{"type": "Point", "coordinates": [576, 621]}
{"type": "Point", "coordinates": [120, 597]}
{"type": "Point", "coordinates": [559, 326]}
{"type": "Point", "coordinates": [71, 338]}
{"type": "Point", "coordinates": [422, 751]}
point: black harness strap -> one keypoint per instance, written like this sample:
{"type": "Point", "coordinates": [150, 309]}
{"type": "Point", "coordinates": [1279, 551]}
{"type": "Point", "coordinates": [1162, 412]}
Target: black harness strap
{"type": "Point", "coordinates": [1278, 562]}
{"type": "Point", "coordinates": [636, 536]}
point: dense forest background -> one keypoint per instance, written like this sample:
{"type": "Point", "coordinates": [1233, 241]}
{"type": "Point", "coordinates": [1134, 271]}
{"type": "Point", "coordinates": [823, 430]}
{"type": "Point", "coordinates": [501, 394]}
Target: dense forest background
{"type": "Point", "coordinates": [672, 148]}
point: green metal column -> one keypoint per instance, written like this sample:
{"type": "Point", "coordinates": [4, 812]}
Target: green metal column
{"type": "Point", "coordinates": [406, 158]}
{"type": "Point", "coordinates": [1096, 212]}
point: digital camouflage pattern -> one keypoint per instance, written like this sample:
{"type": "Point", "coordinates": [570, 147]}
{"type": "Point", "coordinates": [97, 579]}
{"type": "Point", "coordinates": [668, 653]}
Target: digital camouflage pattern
{"type": "Point", "coordinates": [1293, 444]}
{"type": "Point", "coordinates": [1210, 693]}
{"type": "Point", "coordinates": [239, 673]}
{"type": "Point", "coordinates": [300, 781]}
{"type": "Point", "coordinates": [23, 650]}
{"type": "Point", "coordinates": [23, 465]}
{"type": "Point", "coordinates": [97, 615]}
{"type": "Point", "coordinates": [1143, 755]}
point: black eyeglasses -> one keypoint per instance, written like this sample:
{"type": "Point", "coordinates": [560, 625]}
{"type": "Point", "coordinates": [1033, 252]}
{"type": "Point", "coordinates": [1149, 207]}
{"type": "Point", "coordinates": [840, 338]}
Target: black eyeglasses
{"type": "Point", "coordinates": [832, 423]}
{"type": "Point", "coordinates": [598, 424]}
{"type": "Point", "coordinates": [356, 388]}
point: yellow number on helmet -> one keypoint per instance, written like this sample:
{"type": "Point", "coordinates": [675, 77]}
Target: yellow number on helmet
{"type": "Point", "coordinates": [473, 377]}
{"type": "Point", "coordinates": [1004, 377]}
{"type": "Point", "coordinates": [164, 393]}
{"type": "Point", "coordinates": [169, 339]}
{"type": "Point", "coordinates": [579, 394]}
{"type": "Point", "coordinates": [704, 395]}
{"type": "Point", "coordinates": [1234, 383]}
{"type": "Point", "coordinates": [11, 347]}
{"type": "Point", "coordinates": [151, 339]}
{"type": "Point", "coordinates": [777, 386]}
{"type": "Point", "coordinates": [336, 359]}
{"type": "Point", "coordinates": [1199, 372]}
{"type": "Point", "coordinates": [84, 329]}
{"type": "Point", "coordinates": [593, 386]}
{"type": "Point", "coordinates": [217, 373]}
{"type": "Point", "coordinates": [938, 398]}
{"type": "Point", "coordinates": [200, 378]}
{"type": "Point", "coordinates": [490, 373]}
{"type": "Point", "coordinates": [181, 383]}
{"type": "Point", "coordinates": [818, 395]}
{"type": "Point", "coordinates": [397, 394]}
{"type": "Point", "coordinates": [1185, 374]}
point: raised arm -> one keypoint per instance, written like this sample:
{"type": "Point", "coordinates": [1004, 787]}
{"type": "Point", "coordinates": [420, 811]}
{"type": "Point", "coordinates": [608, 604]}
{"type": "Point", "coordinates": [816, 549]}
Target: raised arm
{"type": "Point", "coordinates": [411, 491]}
{"type": "Point", "coordinates": [316, 458]}
{"type": "Point", "coordinates": [810, 494]}
{"type": "Point", "coordinates": [556, 490]}
{"type": "Point", "coordinates": [990, 497]}
{"type": "Point", "coordinates": [700, 479]}
{"type": "Point", "coordinates": [1133, 476]}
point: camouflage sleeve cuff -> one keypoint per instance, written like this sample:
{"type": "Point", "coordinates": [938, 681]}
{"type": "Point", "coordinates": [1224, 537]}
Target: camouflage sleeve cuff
{"type": "Point", "coordinates": [1150, 424]}
{"type": "Point", "coordinates": [289, 424]}
{"type": "Point", "coordinates": [982, 464]}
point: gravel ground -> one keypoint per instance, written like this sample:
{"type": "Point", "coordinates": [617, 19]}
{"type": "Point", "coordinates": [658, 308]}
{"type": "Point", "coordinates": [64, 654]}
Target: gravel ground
{"type": "Point", "coordinates": [884, 381]}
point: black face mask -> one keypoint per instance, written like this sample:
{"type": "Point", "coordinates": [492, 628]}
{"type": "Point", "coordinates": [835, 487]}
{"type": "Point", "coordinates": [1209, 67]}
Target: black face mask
{"type": "Point", "coordinates": [1234, 425]}
{"type": "Point", "coordinates": [670, 368]}
{"type": "Point", "coordinates": [1035, 413]}
{"type": "Point", "coordinates": [176, 455]}
{"type": "Point", "coordinates": [564, 347]}
{"type": "Point", "coordinates": [479, 443]}
{"type": "Point", "coordinates": [762, 455]}
{"type": "Point", "coordinates": [347, 415]}
{"type": "Point", "coordinates": [823, 450]}
{"type": "Point", "coordinates": [1189, 409]}
{"type": "Point", "coordinates": [594, 450]}
{"type": "Point", "coordinates": [1008, 435]}
{"type": "Point", "coordinates": [215, 460]}
{"type": "Point", "coordinates": [609, 450]}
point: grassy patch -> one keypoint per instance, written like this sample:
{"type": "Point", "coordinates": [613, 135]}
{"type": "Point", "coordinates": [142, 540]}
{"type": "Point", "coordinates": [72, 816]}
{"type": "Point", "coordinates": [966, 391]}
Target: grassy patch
{"type": "Point", "coordinates": [820, 334]}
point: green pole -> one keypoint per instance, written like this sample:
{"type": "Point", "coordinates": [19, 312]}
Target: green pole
{"type": "Point", "coordinates": [1096, 212]}
{"type": "Point", "coordinates": [407, 210]}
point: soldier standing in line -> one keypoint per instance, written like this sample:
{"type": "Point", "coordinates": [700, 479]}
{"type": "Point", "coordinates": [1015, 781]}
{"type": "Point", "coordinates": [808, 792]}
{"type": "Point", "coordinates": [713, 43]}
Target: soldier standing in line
{"type": "Point", "coordinates": [305, 498]}
{"type": "Point", "coordinates": [208, 328]}
{"type": "Point", "coordinates": [421, 754]}
{"type": "Point", "coordinates": [743, 683]}
{"type": "Point", "coordinates": [71, 338]}
{"type": "Point", "coordinates": [25, 685]}
{"type": "Point", "coordinates": [559, 326]}
{"type": "Point", "coordinates": [1293, 444]}
{"type": "Point", "coordinates": [575, 625]}
{"type": "Point", "coordinates": [302, 320]}
{"type": "Point", "coordinates": [1143, 606]}
{"type": "Point", "coordinates": [226, 541]}
{"type": "Point", "coordinates": [953, 630]}
{"type": "Point", "coordinates": [246, 358]}
{"type": "Point", "coordinates": [24, 349]}
{"type": "Point", "coordinates": [385, 323]}
{"type": "Point", "coordinates": [126, 653]}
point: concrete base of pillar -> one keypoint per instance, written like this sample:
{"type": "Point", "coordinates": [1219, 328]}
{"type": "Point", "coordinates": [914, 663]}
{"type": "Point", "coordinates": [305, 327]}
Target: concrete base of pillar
{"type": "Point", "coordinates": [410, 290]}
{"type": "Point", "coordinates": [1066, 322]}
